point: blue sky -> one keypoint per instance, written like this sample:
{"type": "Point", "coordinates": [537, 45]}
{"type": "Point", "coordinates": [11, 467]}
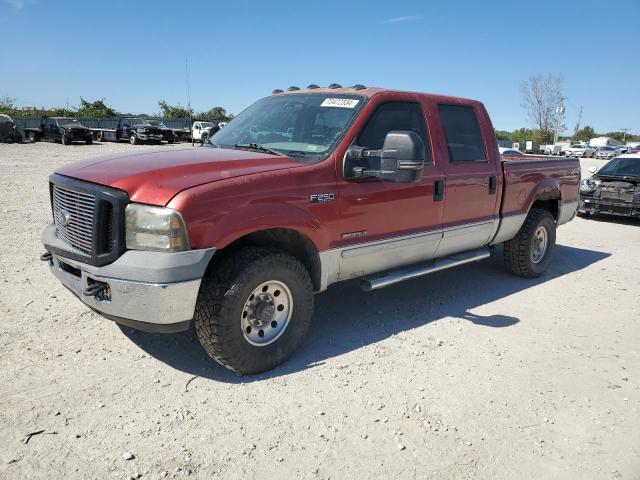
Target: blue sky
{"type": "Point", "coordinates": [133, 53]}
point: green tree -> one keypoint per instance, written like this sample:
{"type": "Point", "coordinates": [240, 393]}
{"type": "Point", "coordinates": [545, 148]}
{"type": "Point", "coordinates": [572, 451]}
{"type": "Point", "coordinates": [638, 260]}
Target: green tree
{"type": "Point", "coordinates": [585, 134]}
{"type": "Point", "coordinates": [95, 109]}
{"type": "Point", "coordinates": [174, 111]}
{"type": "Point", "coordinates": [215, 115]}
{"type": "Point", "coordinates": [503, 135]}
{"type": "Point", "coordinates": [7, 104]}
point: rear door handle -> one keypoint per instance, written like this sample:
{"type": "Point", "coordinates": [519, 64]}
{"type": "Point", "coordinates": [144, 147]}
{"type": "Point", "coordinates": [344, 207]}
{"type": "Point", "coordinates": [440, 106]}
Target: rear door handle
{"type": "Point", "coordinates": [492, 184]}
{"type": "Point", "coordinates": [438, 190]}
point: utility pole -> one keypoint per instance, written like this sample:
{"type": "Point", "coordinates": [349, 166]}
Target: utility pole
{"type": "Point", "coordinates": [559, 113]}
{"type": "Point", "coordinates": [624, 131]}
{"type": "Point", "coordinates": [578, 124]}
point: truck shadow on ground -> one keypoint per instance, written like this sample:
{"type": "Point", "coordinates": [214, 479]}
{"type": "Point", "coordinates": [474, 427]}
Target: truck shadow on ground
{"type": "Point", "coordinates": [346, 318]}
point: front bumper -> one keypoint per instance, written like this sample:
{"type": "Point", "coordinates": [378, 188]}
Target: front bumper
{"type": "Point", "coordinates": [149, 137]}
{"type": "Point", "coordinates": [597, 205]}
{"type": "Point", "coordinates": [151, 291]}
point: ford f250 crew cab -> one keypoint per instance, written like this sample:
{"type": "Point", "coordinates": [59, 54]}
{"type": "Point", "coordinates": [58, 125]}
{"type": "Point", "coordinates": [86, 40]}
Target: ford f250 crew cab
{"type": "Point", "coordinates": [303, 189]}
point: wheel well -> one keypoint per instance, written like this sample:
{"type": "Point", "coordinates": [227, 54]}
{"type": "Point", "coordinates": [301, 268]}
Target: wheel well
{"type": "Point", "coordinates": [290, 241]}
{"type": "Point", "coordinates": [549, 204]}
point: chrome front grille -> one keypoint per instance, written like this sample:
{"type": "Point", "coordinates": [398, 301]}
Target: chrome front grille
{"type": "Point", "coordinates": [73, 215]}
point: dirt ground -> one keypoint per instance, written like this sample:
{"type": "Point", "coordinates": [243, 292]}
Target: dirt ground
{"type": "Point", "coordinates": [468, 373]}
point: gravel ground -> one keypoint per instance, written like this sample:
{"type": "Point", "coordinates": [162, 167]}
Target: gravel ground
{"type": "Point", "coordinates": [468, 373]}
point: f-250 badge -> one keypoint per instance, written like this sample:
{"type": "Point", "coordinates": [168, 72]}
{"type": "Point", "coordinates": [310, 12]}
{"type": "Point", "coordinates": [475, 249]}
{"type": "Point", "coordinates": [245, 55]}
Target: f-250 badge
{"type": "Point", "coordinates": [321, 197]}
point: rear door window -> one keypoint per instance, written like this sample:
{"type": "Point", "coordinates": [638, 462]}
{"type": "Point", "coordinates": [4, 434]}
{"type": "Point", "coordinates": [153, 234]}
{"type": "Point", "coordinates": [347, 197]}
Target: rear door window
{"type": "Point", "coordinates": [465, 142]}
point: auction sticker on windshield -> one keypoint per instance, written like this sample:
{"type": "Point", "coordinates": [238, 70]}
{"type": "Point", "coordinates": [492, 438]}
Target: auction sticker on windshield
{"type": "Point", "coordinates": [339, 102]}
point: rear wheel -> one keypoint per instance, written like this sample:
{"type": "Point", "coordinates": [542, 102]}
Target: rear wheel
{"type": "Point", "coordinates": [254, 309]}
{"type": "Point", "coordinates": [99, 136]}
{"type": "Point", "coordinates": [529, 253]}
{"type": "Point", "coordinates": [32, 137]}
{"type": "Point", "coordinates": [89, 140]}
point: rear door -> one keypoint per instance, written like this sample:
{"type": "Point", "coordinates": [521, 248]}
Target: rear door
{"type": "Point", "coordinates": [384, 224]}
{"type": "Point", "coordinates": [472, 177]}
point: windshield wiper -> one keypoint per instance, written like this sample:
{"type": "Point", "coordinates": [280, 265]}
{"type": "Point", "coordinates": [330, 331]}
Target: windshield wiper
{"type": "Point", "coordinates": [260, 148]}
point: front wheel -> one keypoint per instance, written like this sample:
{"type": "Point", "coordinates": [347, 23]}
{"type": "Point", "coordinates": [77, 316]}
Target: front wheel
{"type": "Point", "coordinates": [254, 309]}
{"type": "Point", "coordinates": [133, 139]}
{"type": "Point", "coordinates": [529, 253]}
{"type": "Point", "coordinates": [64, 140]}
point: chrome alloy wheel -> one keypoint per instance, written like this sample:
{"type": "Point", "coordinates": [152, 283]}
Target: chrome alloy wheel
{"type": "Point", "coordinates": [539, 244]}
{"type": "Point", "coordinates": [266, 313]}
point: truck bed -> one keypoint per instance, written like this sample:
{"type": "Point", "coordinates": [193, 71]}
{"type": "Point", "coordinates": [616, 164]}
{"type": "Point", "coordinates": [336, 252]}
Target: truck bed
{"type": "Point", "coordinates": [538, 177]}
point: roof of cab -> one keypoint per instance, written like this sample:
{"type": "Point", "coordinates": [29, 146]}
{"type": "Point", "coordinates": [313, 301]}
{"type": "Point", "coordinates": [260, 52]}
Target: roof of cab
{"type": "Point", "coordinates": [371, 91]}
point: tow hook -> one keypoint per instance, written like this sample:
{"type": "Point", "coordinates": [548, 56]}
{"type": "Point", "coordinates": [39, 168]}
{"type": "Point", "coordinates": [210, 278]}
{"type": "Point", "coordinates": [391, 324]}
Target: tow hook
{"type": "Point", "coordinates": [95, 289]}
{"type": "Point", "coordinates": [46, 256]}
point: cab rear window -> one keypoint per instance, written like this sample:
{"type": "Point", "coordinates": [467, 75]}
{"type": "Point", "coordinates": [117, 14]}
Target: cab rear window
{"type": "Point", "coordinates": [465, 142]}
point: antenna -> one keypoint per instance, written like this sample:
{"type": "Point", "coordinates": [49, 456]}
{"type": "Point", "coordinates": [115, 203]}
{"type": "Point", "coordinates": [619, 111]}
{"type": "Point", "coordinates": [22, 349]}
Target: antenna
{"type": "Point", "coordinates": [578, 124]}
{"type": "Point", "coordinates": [186, 68]}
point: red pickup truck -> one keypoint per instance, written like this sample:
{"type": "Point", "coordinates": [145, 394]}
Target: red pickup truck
{"type": "Point", "coordinates": [303, 189]}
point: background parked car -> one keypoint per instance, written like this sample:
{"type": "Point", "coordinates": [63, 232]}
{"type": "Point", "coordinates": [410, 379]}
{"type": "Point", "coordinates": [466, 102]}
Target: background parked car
{"type": "Point", "coordinates": [510, 152]}
{"type": "Point", "coordinates": [167, 133]}
{"type": "Point", "coordinates": [65, 130]}
{"type": "Point", "coordinates": [614, 189]}
{"type": "Point", "coordinates": [607, 153]}
{"type": "Point", "coordinates": [580, 150]}
{"type": "Point", "coordinates": [9, 133]}
{"type": "Point", "coordinates": [134, 129]}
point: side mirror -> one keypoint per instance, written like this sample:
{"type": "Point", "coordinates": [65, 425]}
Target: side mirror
{"type": "Point", "coordinates": [593, 169]}
{"type": "Point", "coordinates": [400, 160]}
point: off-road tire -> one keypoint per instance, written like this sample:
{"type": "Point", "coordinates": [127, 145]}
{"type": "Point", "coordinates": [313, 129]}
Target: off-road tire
{"type": "Point", "coordinates": [517, 251]}
{"type": "Point", "coordinates": [133, 139]}
{"type": "Point", "coordinates": [221, 300]}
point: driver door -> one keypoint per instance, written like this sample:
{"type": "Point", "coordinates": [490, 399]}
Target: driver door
{"type": "Point", "coordinates": [384, 224]}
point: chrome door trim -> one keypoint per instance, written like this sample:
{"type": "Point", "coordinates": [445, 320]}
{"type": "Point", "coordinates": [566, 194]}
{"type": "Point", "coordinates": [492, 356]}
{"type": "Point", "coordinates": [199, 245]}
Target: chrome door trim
{"type": "Point", "coordinates": [371, 257]}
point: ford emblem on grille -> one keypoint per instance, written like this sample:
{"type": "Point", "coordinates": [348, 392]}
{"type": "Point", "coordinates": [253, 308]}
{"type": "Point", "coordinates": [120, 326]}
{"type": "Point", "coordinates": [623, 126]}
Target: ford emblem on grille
{"type": "Point", "coordinates": [64, 217]}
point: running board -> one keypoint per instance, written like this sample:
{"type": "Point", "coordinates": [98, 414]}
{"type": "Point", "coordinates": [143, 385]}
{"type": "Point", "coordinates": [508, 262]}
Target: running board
{"type": "Point", "coordinates": [384, 279]}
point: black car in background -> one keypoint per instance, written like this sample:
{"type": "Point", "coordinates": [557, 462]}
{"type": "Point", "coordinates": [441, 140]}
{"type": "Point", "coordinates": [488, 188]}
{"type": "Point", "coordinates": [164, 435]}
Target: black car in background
{"type": "Point", "coordinates": [614, 189]}
{"type": "Point", "coordinates": [167, 133]}
{"type": "Point", "coordinates": [65, 130]}
{"type": "Point", "coordinates": [9, 133]}
{"type": "Point", "coordinates": [134, 129]}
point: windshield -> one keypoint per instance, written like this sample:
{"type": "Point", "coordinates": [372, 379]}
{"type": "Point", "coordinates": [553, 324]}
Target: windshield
{"type": "Point", "coordinates": [299, 125]}
{"type": "Point", "coordinates": [621, 167]}
{"type": "Point", "coordinates": [67, 121]}
{"type": "Point", "coordinates": [206, 124]}
{"type": "Point", "coordinates": [156, 123]}
{"type": "Point", "coordinates": [137, 121]}
{"type": "Point", "coordinates": [577, 146]}
{"type": "Point", "coordinates": [607, 148]}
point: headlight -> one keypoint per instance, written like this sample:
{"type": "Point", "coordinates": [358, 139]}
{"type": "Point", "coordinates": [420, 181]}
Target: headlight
{"type": "Point", "coordinates": [155, 228]}
{"type": "Point", "coordinates": [587, 185]}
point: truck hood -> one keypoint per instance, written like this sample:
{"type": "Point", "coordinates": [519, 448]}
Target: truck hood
{"type": "Point", "coordinates": [154, 177]}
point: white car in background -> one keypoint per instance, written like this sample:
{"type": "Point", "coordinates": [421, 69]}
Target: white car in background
{"type": "Point", "coordinates": [200, 130]}
{"type": "Point", "coordinates": [580, 150]}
